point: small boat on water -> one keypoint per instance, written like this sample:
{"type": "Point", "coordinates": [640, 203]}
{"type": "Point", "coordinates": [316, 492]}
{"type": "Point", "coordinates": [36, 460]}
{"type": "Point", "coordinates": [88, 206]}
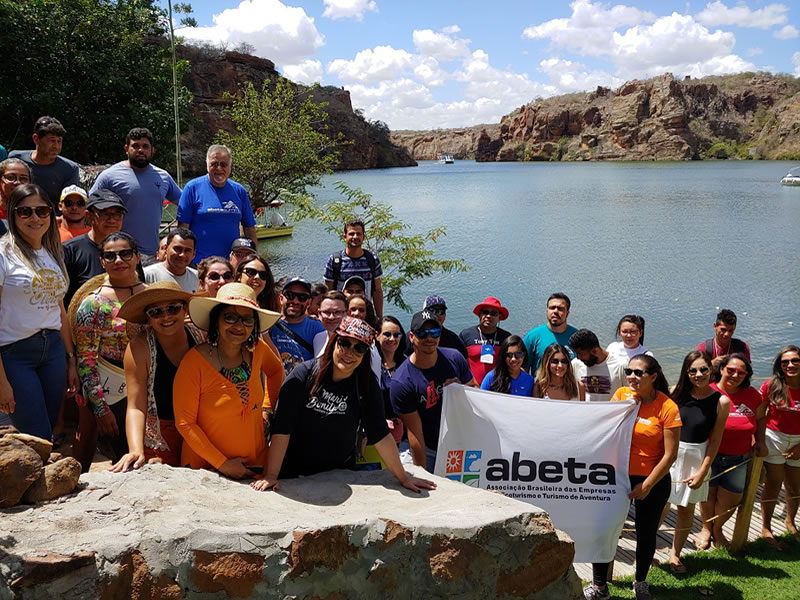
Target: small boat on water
{"type": "Point", "coordinates": [271, 223]}
{"type": "Point", "coordinates": [446, 158]}
{"type": "Point", "coordinates": [792, 177]}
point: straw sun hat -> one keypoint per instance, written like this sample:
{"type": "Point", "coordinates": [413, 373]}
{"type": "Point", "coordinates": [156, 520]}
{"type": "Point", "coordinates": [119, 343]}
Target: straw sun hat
{"type": "Point", "coordinates": [231, 294]}
{"type": "Point", "coordinates": [157, 292]}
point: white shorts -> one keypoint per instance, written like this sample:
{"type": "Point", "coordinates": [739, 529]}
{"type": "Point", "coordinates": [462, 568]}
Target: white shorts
{"type": "Point", "coordinates": [777, 444]}
{"type": "Point", "coordinates": [690, 457]}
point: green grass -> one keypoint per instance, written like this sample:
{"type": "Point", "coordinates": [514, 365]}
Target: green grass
{"type": "Point", "coordinates": [759, 573]}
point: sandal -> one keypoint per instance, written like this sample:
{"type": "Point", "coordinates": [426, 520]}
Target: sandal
{"type": "Point", "coordinates": [678, 569]}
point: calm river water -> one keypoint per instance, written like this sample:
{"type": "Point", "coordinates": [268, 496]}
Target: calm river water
{"type": "Point", "coordinates": [670, 241]}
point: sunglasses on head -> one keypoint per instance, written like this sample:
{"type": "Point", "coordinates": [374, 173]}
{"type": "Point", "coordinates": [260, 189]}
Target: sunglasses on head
{"type": "Point", "coordinates": [437, 311]}
{"type": "Point", "coordinates": [214, 276]}
{"type": "Point", "coordinates": [299, 296]}
{"type": "Point", "coordinates": [232, 318]}
{"type": "Point", "coordinates": [26, 212]}
{"type": "Point", "coordinates": [389, 334]}
{"type": "Point", "coordinates": [423, 333]}
{"type": "Point", "coordinates": [111, 256]}
{"type": "Point", "coordinates": [171, 309]}
{"type": "Point", "coordinates": [518, 355]}
{"type": "Point", "coordinates": [348, 345]}
{"type": "Point", "coordinates": [250, 272]}
{"type": "Point", "coordinates": [80, 203]}
{"type": "Point", "coordinates": [637, 372]}
{"type": "Point", "coordinates": [701, 370]}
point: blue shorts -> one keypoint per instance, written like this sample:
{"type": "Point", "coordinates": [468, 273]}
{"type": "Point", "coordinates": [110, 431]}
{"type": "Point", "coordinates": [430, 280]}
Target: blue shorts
{"type": "Point", "coordinates": [733, 480]}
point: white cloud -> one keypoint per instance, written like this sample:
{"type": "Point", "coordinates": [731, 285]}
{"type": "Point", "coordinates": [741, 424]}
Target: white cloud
{"type": "Point", "coordinates": [787, 32]}
{"type": "Point", "coordinates": [461, 113]}
{"type": "Point", "coordinates": [796, 63]}
{"type": "Point", "coordinates": [568, 76]}
{"type": "Point", "coordinates": [717, 13]}
{"type": "Point", "coordinates": [441, 45]}
{"type": "Point", "coordinates": [283, 34]}
{"type": "Point", "coordinates": [755, 52]}
{"type": "Point", "coordinates": [430, 73]}
{"type": "Point", "coordinates": [384, 62]}
{"type": "Point", "coordinates": [307, 72]}
{"type": "Point", "coordinates": [399, 94]}
{"type": "Point", "coordinates": [485, 81]}
{"type": "Point", "coordinates": [348, 9]}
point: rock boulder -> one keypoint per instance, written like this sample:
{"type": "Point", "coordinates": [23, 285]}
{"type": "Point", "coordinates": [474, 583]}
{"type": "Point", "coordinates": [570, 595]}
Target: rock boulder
{"type": "Point", "coordinates": [20, 467]}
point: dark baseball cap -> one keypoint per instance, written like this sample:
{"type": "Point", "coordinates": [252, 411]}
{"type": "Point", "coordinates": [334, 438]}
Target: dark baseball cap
{"type": "Point", "coordinates": [299, 280]}
{"type": "Point", "coordinates": [243, 244]}
{"type": "Point", "coordinates": [102, 199]}
{"type": "Point", "coordinates": [419, 319]}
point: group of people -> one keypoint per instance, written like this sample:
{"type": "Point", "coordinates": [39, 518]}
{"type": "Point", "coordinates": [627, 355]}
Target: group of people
{"type": "Point", "coordinates": [186, 350]}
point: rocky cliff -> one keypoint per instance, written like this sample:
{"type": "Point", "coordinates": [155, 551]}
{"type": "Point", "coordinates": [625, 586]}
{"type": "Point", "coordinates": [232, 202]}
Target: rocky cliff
{"type": "Point", "coordinates": [211, 74]}
{"type": "Point", "coordinates": [737, 116]}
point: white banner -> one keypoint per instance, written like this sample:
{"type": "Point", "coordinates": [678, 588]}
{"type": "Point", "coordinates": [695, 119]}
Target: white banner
{"type": "Point", "coordinates": [569, 458]}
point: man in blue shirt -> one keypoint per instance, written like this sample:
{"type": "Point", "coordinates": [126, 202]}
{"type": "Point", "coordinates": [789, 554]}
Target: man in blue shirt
{"type": "Point", "coordinates": [555, 330]}
{"type": "Point", "coordinates": [142, 188]}
{"type": "Point", "coordinates": [213, 206]}
{"type": "Point", "coordinates": [294, 333]}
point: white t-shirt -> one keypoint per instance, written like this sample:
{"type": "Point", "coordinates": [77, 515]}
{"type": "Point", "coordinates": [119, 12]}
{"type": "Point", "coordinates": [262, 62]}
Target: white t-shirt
{"type": "Point", "coordinates": [30, 300]}
{"type": "Point", "coordinates": [603, 379]}
{"type": "Point", "coordinates": [619, 349]}
{"type": "Point", "coordinates": [159, 272]}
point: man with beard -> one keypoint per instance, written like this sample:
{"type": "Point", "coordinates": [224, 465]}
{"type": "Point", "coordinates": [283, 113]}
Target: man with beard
{"type": "Point", "coordinates": [294, 333]}
{"type": "Point", "coordinates": [600, 373]}
{"type": "Point", "coordinates": [555, 330]}
{"type": "Point", "coordinates": [354, 260]}
{"type": "Point", "coordinates": [142, 188]}
{"type": "Point", "coordinates": [73, 212]}
{"type": "Point", "coordinates": [483, 340]}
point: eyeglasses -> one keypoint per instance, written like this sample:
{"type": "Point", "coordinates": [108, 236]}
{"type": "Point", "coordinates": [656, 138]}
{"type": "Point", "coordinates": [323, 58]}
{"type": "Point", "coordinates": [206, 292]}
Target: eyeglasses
{"type": "Point", "coordinates": [331, 314]}
{"type": "Point", "coordinates": [437, 311]}
{"type": "Point", "coordinates": [517, 355]}
{"type": "Point", "coordinates": [232, 318]}
{"type": "Point", "coordinates": [389, 334]}
{"type": "Point", "coordinates": [251, 272]}
{"type": "Point", "coordinates": [733, 372]}
{"type": "Point", "coordinates": [489, 313]}
{"type": "Point", "coordinates": [299, 296]}
{"type": "Point", "coordinates": [629, 332]}
{"type": "Point", "coordinates": [172, 309]}
{"type": "Point", "coordinates": [214, 276]}
{"type": "Point", "coordinates": [26, 212]}
{"type": "Point", "coordinates": [701, 370]}
{"type": "Point", "coordinates": [221, 164]}
{"type": "Point", "coordinates": [559, 361]}
{"type": "Point", "coordinates": [14, 178]}
{"type": "Point", "coordinates": [347, 345]}
{"type": "Point", "coordinates": [70, 203]}
{"type": "Point", "coordinates": [424, 333]}
{"type": "Point", "coordinates": [637, 372]}
{"type": "Point", "coordinates": [111, 256]}
{"type": "Point", "coordinates": [109, 214]}
{"type": "Point", "coordinates": [790, 361]}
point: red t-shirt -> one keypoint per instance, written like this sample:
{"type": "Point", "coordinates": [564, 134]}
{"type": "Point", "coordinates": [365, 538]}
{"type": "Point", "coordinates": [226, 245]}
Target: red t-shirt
{"type": "Point", "coordinates": [741, 424]}
{"type": "Point", "coordinates": [785, 419]}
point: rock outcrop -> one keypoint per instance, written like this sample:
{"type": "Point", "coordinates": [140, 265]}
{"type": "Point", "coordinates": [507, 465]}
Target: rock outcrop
{"type": "Point", "coordinates": [656, 119]}
{"type": "Point", "coordinates": [174, 533]}
{"type": "Point", "coordinates": [211, 74]}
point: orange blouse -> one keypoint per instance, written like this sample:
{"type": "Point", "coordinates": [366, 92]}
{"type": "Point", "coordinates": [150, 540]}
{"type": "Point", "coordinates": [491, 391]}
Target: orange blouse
{"type": "Point", "coordinates": [215, 421]}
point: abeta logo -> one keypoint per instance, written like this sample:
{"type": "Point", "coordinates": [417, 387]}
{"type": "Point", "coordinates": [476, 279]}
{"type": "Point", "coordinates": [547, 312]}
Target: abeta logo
{"type": "Point", "coordinates": [464, 466]}
{"type": "Point", "coordinates": [549, 471]}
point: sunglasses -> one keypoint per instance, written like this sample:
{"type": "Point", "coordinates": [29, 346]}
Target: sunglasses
{"type": "Point", "coordinates": [70, 203]}
{"type": "Point", "coordinates": [26, 212]}
{"type": "Point", "coordinates": [701, 370]}
{"type": "Point", "coordinates": [517, 355]}
{"type": "Point", "coordinates": [111, 256]}
{"type": "Point", "coordinates": [637, 372]}
{"type": "Point", "coordinates": [214, 276]}
{"type": "Point", "coordinates": [232, 318]}
{"type": "Point", "coordinates": [790, 361]}
{"type": "Point", "coordinates": [559, 361]}
{"type": "Point", "coordinates": [389, 334]}
{"type": "Point", "coordinates": [14, 178]}
{"type": "Point", "coordinates": [331, 314]}
{"type": "Point", "coordinates": [490, 313]}
{"type": "Point", "coordinates": [299, 296]}
{"type": "Point", "coordinates": [250, 272]}
{"type": "Point", "coordinates": [107, 214]}
{"type": "Point", "coordinates": [172, 309]}
{"type": "Point", "coordinates": [733, 372]}
{"type": "Point", "coordinates": [437, 311]}
{"type": "Point", "coordinates": [359, 348]}
{"type": "Point", "coordinates": [424, 333]}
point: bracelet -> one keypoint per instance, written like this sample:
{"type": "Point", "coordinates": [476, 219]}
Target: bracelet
{"type": "Point", "coordinates": [70, 355]}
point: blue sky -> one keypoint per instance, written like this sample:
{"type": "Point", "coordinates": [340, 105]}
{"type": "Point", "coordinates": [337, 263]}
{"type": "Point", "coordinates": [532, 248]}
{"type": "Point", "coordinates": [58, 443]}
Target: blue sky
{"type": "Point", "coordinates": [424, 65]}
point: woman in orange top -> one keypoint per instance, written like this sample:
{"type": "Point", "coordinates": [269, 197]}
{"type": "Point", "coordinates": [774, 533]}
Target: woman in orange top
{"type": "Point", "coordinates": [218, 393]}
{"type": "Point", "coordinates": [654, 447]}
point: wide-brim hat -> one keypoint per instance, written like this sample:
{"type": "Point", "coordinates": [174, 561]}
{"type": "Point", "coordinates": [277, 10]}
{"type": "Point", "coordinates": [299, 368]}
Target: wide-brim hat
{"type": "Point", "coordinates": [158, 292]}
{"type": "Point", "coordinates": [80, 295]}
{"type": "Point", "coordinates": [231, 294]}
{"type": "Point", "coordinates": [492, 302]}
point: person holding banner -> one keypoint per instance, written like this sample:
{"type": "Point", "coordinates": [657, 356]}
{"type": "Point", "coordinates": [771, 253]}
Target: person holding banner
{"type": "Point", "coordinates": [323, 407]}
{"type": "Point", "coordinates": [555, 379]}
{"type": "Point", "coordinates": [508, 377]}
{"type": "Point", "coordinates": [704, 411]}
{"type": "Point", "coordinates": [654, 446]}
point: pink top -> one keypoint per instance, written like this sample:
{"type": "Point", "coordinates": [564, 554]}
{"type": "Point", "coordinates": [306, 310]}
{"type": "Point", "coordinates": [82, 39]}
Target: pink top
{"type": "Point", "coordinates": [737, 439]}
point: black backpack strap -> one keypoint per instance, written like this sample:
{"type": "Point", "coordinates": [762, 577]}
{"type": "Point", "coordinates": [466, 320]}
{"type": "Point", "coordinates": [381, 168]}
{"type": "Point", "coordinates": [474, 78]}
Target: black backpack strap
{"type": "Point", "coordinates": [709, 347]}
{"type": "Point", "coordinates": [337, 267]}
{"type": "Point", "coordinates": [371, 262]}
{"type": "Point", "coordinates": [296, 338]}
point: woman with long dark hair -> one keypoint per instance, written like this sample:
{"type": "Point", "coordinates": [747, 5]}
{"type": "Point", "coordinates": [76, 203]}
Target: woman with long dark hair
{"type": "Point", "coordinates": [391, 344]}
{"type": "Point", "coordinates": [255, 272]}
{"type": "Point", "coordinates": [324, 405]}
{"type": "Point", "coordinates": [212, 273]}
{"type": "Point", "coordinates": [704, 411]}
{"type": "Point", "coordinates": [781, 392]}
{"type": "Point", "coordinates": [37, 356]}
{"type": "Point", "coordinates": [554, 378]}
{"type": "Point", "coordinates": [507, 377]}
{"type": "Point", "coordinates": [654, 446]}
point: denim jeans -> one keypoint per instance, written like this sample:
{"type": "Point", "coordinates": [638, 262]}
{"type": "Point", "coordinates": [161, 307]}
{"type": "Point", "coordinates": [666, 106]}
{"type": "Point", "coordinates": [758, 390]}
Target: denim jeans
{"type": "Point", "coordinates": [407, 459]}
{"type": "Point", "coordinates": [36, 368]}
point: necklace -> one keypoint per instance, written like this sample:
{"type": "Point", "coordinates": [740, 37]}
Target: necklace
{"type": "Point", "coordinates": [130, 288]}
{"type": "Point", "coordinates": [238, 374]}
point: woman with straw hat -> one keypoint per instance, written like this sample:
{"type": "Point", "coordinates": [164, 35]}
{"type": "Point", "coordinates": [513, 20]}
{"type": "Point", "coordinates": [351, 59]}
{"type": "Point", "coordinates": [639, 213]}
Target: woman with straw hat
{"type": "Point", "coordinates": [151, 362]}
{"type": "Point", "coordinates": [218, 392]}
{"type": "Point", "coordinates": [324, 405]}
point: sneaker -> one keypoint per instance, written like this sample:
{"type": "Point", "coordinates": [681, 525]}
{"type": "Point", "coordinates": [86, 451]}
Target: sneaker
{"type": "Point", "coordinates": [592, 592]}
{"type": "Point", "coordinates": [642, 590]}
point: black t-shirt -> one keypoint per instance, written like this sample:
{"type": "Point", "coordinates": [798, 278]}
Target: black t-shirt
{"type": "Point", "coordinates": [324, 428]}
{"type": "Point", "coordinates": [698, 418]}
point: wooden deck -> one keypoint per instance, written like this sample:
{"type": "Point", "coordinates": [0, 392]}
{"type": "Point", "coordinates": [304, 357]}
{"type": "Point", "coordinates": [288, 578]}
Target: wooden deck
{"type": "Point", "coordinates": [624, 563]}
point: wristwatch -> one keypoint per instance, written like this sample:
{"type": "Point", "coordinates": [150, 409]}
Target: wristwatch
{"type": "Point", "coordinates": [70, 355]}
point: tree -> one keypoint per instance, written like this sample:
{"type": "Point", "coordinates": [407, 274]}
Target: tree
{"type": "Point", "coordinates": [278, 142]}
{"type": "Point", "coordinates": [405, 257]}
{"type": "Point", "coordinates": [100, 66]}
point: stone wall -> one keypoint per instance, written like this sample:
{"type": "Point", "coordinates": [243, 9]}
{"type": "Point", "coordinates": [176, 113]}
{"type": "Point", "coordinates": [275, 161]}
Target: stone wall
{"type": "Point", "coordinates": [173, 533]}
